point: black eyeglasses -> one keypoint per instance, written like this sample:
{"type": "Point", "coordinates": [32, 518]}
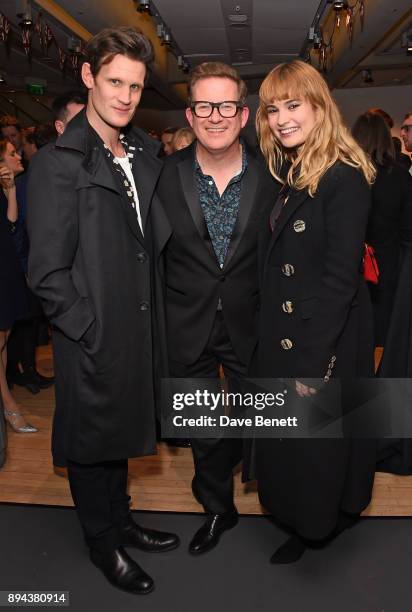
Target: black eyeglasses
{"type": "Point", "coordinates": [406, 127]}
{"type": "Point", "coordinates": [203, 109]}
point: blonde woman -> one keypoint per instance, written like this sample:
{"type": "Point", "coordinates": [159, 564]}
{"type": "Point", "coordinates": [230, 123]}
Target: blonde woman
{"type": "Point", "coordinates": [13, 295]}
{"type": "Point", "coordinates": [315, 313]}
{"type": "Point", "coordinates": [182, 138]}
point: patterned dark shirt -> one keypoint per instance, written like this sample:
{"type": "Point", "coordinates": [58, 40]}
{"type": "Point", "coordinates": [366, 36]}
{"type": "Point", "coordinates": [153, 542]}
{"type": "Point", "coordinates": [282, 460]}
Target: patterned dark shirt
{"type": "Point", "coordinates": [220, 211]}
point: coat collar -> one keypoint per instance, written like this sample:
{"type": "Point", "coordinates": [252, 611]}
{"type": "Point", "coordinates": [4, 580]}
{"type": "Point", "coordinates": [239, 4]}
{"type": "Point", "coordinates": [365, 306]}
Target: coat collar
{"type": "Point", "coordinates": [80, 136]}
{"type": "Point", "coordinates": [186, 169]}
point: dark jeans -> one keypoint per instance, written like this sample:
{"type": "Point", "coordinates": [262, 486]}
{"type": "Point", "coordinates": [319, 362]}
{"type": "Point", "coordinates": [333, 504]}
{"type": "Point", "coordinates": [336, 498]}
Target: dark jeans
{"type": "Point", "coordinates": [214, 459]}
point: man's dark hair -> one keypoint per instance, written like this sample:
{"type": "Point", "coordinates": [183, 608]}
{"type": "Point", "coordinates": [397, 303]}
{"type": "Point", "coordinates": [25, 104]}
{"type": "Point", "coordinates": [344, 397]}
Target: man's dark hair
{"type": "Point", "coordinates": [131, 42]}
{"type": "Point", "coordinates": [41, 135]}
{"type": "Point", "coordinates": [10, 120]}
{"type": "Point", "coordinates": [60, 104]}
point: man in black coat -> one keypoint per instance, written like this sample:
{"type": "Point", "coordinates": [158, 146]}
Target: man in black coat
{"type": "Point", "coordinates": [214, 194]}
{"type": "Point", "coordinates": [93, 240]}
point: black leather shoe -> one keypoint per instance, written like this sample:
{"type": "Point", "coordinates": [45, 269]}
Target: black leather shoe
{"type": "Point", "coordinates": [22, 379]}
{"type": "Point", "coordinates": [148, 540]}
{"type": "Point", "coordinates": [122, 571]}
{"type": "Point", "coordinates": [208, 536]}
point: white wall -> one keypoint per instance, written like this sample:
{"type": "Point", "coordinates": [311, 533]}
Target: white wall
{"type": "Point", "coordinates": [396, 101]}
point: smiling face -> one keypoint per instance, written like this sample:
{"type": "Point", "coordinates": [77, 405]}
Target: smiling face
{"type": "Point", "coordinates": [114, 93]}
{"type": "Point", "coordinates": [216, 134]}
{"type": "Point", "coordinates": [291, 121]}
{"type": "Point", "coordinates": [12, 160]}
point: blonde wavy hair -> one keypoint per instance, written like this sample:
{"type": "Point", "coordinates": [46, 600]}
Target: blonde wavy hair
{"type": "Point", "coordinates": [329, 140]}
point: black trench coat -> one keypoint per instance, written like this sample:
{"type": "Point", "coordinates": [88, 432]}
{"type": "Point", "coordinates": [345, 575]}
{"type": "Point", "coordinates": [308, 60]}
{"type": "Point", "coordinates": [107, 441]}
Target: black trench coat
{"type": "Point", "coordinates": [92, 269]}
{"type": "Point", "coordinates": [315, 305]}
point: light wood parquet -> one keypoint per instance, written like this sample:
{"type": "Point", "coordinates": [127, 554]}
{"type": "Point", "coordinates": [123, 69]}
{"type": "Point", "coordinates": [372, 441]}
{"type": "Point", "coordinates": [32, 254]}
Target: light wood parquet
{"type": "Point", "coordinates": [161, 482]}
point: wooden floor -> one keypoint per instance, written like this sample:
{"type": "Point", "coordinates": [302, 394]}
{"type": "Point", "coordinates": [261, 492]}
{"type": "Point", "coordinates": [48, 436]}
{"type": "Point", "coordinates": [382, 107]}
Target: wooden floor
{"type": "Point", "coordinates": [161, 482]}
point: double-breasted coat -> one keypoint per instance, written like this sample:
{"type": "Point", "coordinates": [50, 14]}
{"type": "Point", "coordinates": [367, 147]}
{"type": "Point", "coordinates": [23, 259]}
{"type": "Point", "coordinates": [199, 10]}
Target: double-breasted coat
{"type": "Point", "coordinates": [93, 270]}
{"type": "Point", "coordinates": [316, 321]}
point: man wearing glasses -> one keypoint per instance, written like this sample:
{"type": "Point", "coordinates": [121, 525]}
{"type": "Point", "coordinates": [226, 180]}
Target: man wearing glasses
{"type": "Point", "coordinates": [216, 193]}
{"type": "Point", "coordinates": [406, 134]}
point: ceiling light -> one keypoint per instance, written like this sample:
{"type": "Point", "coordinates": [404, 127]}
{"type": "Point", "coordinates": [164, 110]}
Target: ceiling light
{"type": "Point", "coordinates": [167, 39]}
{"type": "Point", "coordinates": [2, 79]}
{"type": "Point", "coordinates": [367, 76]}
{"type": "Point", "coordinates": [143, 6]}
{"type": "Point", "coordinates": [317, 41]}
{"type": "Point", "coordinates": [23, 8]}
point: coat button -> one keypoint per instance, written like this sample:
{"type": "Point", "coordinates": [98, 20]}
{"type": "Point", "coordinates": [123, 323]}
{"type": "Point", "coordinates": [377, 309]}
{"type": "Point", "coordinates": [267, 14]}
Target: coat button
{"type": "Point", "coordinates": [144, 306]}
{"type": "Point", "coordinates": [288, 269]}
{"type": "Point", "coordinates": [286, 344]}
{"type": "Point", "coordinates": [222, 278]}
{"type": "Point", "coordinates": [141, 257]}
{"type": "Point", "coordinates": [287, 307]}
{"type": "Point", "coordinates": [299, 226]}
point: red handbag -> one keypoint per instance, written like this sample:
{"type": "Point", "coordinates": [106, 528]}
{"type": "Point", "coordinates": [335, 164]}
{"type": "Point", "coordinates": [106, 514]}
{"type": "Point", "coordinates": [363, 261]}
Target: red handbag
{"type": "Point", "coordinates": [370, 265]}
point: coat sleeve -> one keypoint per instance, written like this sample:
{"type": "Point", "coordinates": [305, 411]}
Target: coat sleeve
{"type": "Point", "coordinates": [52, 223]}
{"type": "Point", "coordinates": [346, 202]}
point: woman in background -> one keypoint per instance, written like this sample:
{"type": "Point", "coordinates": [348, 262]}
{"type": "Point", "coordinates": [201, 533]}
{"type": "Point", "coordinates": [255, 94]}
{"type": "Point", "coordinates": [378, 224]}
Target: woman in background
{"type": "Point", "coordinates": [315, 314]}
{"type": "Point", "coordinates": [13, 300]}
{"type": "Point", "coordinates": [182, 138]}
{"type": "Point", "coordinates": [390, 219]}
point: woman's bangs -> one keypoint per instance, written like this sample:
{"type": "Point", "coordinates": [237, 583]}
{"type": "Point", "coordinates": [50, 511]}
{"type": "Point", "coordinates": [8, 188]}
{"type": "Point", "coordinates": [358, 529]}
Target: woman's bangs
{"type": "Point", "coordinates": [278, 86]}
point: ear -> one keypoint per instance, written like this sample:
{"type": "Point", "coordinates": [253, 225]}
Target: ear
{"type": "Point", "coordinates": [244, 116]}
{"type": "Point", "coordinates": [87, 77]}
{"type": "Point", "coordinates": [189, 116]}
{"type": "Point", "coordinates": [59, 125]}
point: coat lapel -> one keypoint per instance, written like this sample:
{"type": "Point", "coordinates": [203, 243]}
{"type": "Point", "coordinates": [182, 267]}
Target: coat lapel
{"type": "Point", "coordinates": [146, 170]}
{"type": "Point", "coordinates": [247, 201]}
{"type": "Point", "coordinates": [296, 199]}
{"type": "Point", "coordinates": [188, 180]}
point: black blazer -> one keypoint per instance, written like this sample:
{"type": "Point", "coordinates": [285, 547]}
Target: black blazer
{"type": "Point", "coordinates": [193, 278]}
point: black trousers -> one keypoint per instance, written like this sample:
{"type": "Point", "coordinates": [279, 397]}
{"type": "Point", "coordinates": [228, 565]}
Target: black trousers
{"type": "Point", "coordinates": [99, 492]}
{"type": "Point", "coordinates": [214, 459]}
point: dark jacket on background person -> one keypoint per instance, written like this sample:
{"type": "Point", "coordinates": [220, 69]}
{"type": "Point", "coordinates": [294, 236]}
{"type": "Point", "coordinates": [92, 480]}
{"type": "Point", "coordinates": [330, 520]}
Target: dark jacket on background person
{"type": "Point", "coordinates": [194, 279]}
{"type": "Point", "coordinates": [91, 266]}
{"type": "Point", "coordinates": [315, 320]}
{"type": "Point", "coordinates": [390, 224]}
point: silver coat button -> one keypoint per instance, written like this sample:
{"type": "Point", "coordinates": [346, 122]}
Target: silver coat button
{"type": "Point", "coordinates": [288, 269]}
{"type": "Point", "coordinates": [299, 226]}
{"type": "Point", "coordinates": [287, 307]}
{"type": "Point", "coordinates": [286, 344]}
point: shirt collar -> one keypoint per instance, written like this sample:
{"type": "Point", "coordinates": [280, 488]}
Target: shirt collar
{"type": "Point", "coordinates": [198, 169]}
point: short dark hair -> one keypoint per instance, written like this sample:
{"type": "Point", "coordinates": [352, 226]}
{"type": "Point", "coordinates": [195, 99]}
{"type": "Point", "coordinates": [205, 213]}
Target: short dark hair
{"type": "Point", "coordinates": [9, 121]}
{"type": "Point", "coordinates": [60, 104]}
{"type": "Point", "coordinates": [372, 133]}
{"type": "Point", "coordinates": [217, 69]}
{"type": "Point", "coordinates": [102, 48]}
{"type": "Point", "coordinates": [41, 135]}
{"type": "Point", "coordinates": [407, 115]}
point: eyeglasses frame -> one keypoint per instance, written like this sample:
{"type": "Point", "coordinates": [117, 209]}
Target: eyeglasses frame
{"type": "Point", "coordinates": [239, 106]}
